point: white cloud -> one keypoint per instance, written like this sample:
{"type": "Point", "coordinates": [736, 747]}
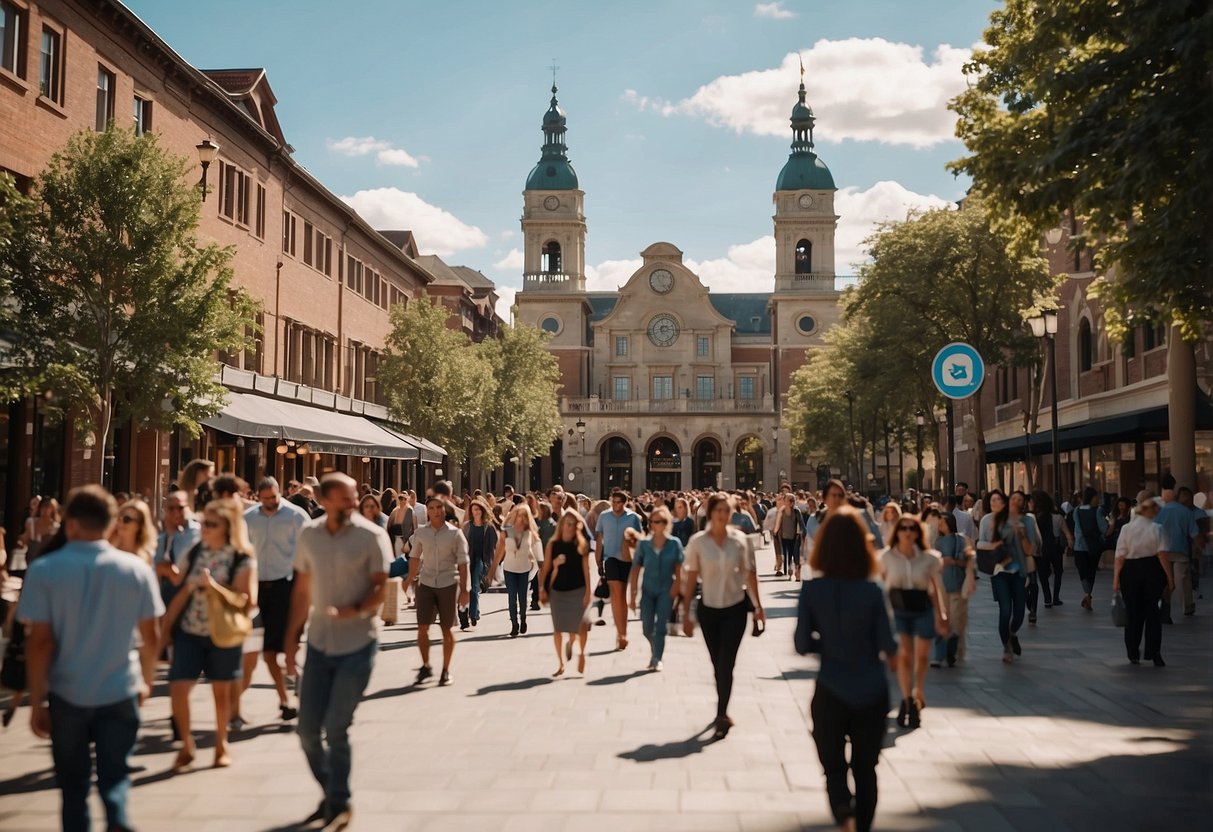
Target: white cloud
{"type": "Point", "coordinates": [774, 10]}
{"type": "Point", "coordinates": [436, 231]}
{"type": "Point", "coordinates": [505, 300]}
{"type": "Point", "coordinates": [385, 152]}
{"type": "Point", "coordinates": [610, 274]}
{"type": "Point", "coordinates": [512, 261]}
{"type": "Point", "coordinates": [748, 267]}
{"type": "Point", "coordinates": [866, 89]}
{"type": "Point", "coordinates": [860, 211]}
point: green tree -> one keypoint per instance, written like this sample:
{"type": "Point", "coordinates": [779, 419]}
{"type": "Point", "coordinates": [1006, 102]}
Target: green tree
{"type": "Point", "coordinates": [117, 309]}
{"type": "Point", "coordinates": [1104, 109]}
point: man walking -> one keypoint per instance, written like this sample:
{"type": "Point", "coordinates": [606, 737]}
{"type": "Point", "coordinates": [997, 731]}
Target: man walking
{"type": "Point", "coordinates": [1180, 535]}
{"type": "Point", "coordinates": [438, 561]}
{"type": "Point", "coordinates": [341, 565]}
{"type": "Point", "coordinates": [181, 531]}
{"type": "Point", "coordinates": [273, 526]}
{"type": "Point", "coordinates": [83, 605]}
{"type": "Point", "coordinates": [609, 554]}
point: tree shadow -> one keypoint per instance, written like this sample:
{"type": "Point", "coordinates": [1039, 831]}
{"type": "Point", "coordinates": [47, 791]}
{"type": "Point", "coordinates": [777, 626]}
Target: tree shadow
{"type": "Point", "coordinates": [617, 680]}
{"type": "Point", "coordinates": [670, 750]}
{"type": "Point", "coordinates": [524, 684]}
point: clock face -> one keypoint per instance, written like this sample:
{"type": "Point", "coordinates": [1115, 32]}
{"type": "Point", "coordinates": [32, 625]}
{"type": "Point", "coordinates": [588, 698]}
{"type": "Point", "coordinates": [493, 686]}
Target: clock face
{"type": "Point", "coordinates": [661, 281]}
{"type": "Point", "coordinates": [551, 203]}
{"type": "Point", "coordinates": [663, 331]}
{"type": "Point", "coordinates": [806, 201]}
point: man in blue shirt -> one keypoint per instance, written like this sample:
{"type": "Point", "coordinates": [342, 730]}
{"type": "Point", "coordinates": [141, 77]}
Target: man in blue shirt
{"type": "Point", "coordinates": [609, 554]}
{"type": "Point", "coordinates": [83, 604]}
{"type": "Point", "coordinates": [181, 531]}
{"type": "Point", "coordinates": [1180, 532]}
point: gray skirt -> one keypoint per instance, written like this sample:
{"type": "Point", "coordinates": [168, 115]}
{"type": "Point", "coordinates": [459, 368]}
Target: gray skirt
{"type": "Point", "coordinates": [568, 607]}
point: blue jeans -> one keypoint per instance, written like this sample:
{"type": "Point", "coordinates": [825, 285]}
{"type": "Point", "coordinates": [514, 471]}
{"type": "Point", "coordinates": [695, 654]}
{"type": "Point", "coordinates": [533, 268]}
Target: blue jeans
{"type": "Point", "coordinates": [516, 584]}
{"type": "Point", "coordinates": [1012, 596]}
{"type": "Point", "coordinates": [112, 729]}
{"type": "Point", "coordinates": [791, 553]}
{"type": "Point", "coordinates": [655, 610]}
{"type": "Point", "coordinates": [328, 694]}
{"type": "Point", "coordinates": [478, 569]}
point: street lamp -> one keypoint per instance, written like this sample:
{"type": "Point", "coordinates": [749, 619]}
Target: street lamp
{"type": "Point", "coordinates": [947, 463]}
{"type": "Point", "coordinates": [920, 419]}
{"type": "Point", "coordinates": [851, 422]}
{"type": "Point", "coordinates": [206, 154]}
{"type": "Point", "coordinates": [1044, 326]}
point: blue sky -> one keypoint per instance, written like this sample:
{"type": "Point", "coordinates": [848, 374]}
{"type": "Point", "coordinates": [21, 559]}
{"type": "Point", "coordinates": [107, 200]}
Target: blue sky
{"type": "Point", "coordinates": [426, 115]}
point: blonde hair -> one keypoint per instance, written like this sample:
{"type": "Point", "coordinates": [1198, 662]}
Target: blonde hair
{"type": "Point", "coordinates": [145, 532]}
{"type": "Point", "coordinates": [578, 527]}
{"type": "Point", "coordinates": [662, 511]}
{"type": "Point", "coordinates": [523, 508]}
{"type": "Point", "coordinates": [232, 512]}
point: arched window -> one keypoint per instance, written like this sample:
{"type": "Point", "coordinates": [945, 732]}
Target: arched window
{"type": "Point", "coordinates": [1085, 346]}
{"type": "Point", "coordinates": [551, 262]}
{"type": "Point", "coordinates": [804, 257]}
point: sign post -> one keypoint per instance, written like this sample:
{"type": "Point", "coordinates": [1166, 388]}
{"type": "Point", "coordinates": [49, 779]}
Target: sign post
{"type": "Point", "coordinates": [958, 372]}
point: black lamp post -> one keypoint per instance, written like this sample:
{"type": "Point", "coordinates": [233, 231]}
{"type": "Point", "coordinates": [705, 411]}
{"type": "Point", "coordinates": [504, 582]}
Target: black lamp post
{"type": "Point", "coordinates": [206, 154]}
{"type": "Point", "coordinates": [919, 420]}
{"type": "Point", "coordinates": [1044, 326]}
{"type": "Point", "coordinates": [581, 432]}
{"type": "Point", "coordinates": [851, 422]}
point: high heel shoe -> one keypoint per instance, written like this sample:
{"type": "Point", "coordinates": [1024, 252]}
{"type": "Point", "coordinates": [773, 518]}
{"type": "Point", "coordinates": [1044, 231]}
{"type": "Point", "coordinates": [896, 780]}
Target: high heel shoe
{"type": "Point", "coordinates": [914, 718]}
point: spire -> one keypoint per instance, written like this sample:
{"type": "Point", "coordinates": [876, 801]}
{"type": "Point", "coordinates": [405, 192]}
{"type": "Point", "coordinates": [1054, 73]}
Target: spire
{"type": "Point", "coordinates": [803, 170]}
{"type": "Point", "coordinates": [802, 121]}
{"type": "Point", "coordinates": [553, 171]}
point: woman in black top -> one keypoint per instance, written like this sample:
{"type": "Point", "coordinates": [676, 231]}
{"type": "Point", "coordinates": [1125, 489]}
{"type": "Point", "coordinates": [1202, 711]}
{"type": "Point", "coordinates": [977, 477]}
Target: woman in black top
{"type": "Point", "coordinates": [843, 617]}
{"type": "Point", "coordinates": [564, 582]}
{"type": "Point", "coordinates": [481, 535]}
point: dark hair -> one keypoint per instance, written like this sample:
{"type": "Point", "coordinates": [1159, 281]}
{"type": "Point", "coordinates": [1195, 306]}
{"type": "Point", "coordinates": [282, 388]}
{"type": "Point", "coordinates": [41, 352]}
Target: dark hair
{"type": "Point", "coordinates": [619, 494]}
{"type": "Point", "coordinates": [227, 485]}
{"type": "Point", "coordinates": [372, 498]}
{"type": "Point", "coordinates": [950, 519]}
{"type": "Point", "coordinates": [334, 480]}
{"type": "Point", "coordinates": [436, 499]}
{"type": "Point", "coordinates": [1088, 494]}
{"type": "Point", "coordinates": [1000, 517]}
{"type": "Point", "coordinates": [1182, 490]}
{"type": "Point", "coordinates": [92, 507]}
{"type": "Point", "coordinates": [920, 536]}
{"type": "Point", "coordinates": [266, 483]}
{"type": "Point", "coordinates": [442, 488]}
{"type": "Point", "coordinates": [1042, 505]}
{"type": "Point", "coordinates": [1168, 481]}
{"type": "Point", "coordinates": [716, 499]}
{"type": "Point", "coordinates": [843, 547]}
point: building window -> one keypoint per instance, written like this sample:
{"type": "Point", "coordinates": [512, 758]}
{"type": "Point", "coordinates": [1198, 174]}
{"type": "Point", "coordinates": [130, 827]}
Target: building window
{"type": "Point", "coordinates": [106, 82]}
{"type": "Point", "coordinates": [550, 324]}
{"type": "Point", "coordinates": [12, 37]}
{"type": "Point", "coordinates": [259, 228]}
{"type": "Point", "coordinates": [703, 346]}
{"type": "Point", "coordinates": [705, 387]}
{"type": "Point", "coordinates": [663, 387]}
{"type": "Point", "coordinates": [550, 262]}
{"type": "Point", "coordinates": [621, 345]}
{"type": "Point", "coordinates": [1085, 346]}
{"type": "Point", "coordinates": [621, 385]}
{"type": "Point", "coordinates": [745, 388]}
{"type": "Point", "coordinates": [50, 75]}
{"type": "Point", "coordinates": [307, 243]}
{"type": "Point", "coordinates": [805, 324]}
{"type": "Point", "coordinates": [143, 115]}
{"type": "Point", "coordinates": [804, 257]}
{"type": "Point", "coordinates": [234, 193]}
{"type": "Point", "coordinates": [328, 255]}
{"type": "Point", "coordinates": [288, 233]}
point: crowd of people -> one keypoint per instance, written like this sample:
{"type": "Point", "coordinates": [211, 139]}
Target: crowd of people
{"type": "Point", "coordinates": [101, 596]}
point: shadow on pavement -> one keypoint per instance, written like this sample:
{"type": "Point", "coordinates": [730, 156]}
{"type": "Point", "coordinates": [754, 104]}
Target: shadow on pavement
{"type": "Point", "coordinates": [523, 684]}
{"type": "Point", "coordinates": [35, 781]}
{"type": "Point", "coordinates": [617, 680]}
{"type": "Point", "coordinates": [388, 693]}
{"type": "Point", "coordinates": [669, 750]}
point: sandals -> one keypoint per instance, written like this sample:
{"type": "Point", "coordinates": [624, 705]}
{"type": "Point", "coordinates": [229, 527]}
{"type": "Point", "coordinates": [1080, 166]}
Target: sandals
{"type": "Point", "coordinates": [559, 672]}
{"type": "Point", "coordinates": [185, 759]}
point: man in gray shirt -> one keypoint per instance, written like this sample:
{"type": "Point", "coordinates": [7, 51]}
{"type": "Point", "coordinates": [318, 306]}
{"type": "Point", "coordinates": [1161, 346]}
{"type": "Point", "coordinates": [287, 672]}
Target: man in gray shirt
{"type": "Point", "coordinates": [341, 565]}
{"type": "Point", "coordinates": [438, 561]}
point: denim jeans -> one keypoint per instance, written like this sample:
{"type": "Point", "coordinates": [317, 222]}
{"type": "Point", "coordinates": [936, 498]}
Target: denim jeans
{"type": "Point", "coordinates": [516, 584]}
{"type": "Point", "coordinates": [478, 570]}
{"type": "Point", "coordinates": [112, 729]}
{"type": "Point", "coordinates": [791, 553]}
{"type": "Point", "coordinates": [1012, 596]}
{"type": "Point", "coordinates": [329, 692]}
{"type": "Point", "coordinates": [655, 610]}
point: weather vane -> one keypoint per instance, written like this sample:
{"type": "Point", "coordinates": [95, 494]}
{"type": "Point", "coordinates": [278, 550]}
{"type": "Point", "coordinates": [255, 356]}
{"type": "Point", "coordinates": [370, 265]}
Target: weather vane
{"type": "Point", "coordinates": [553, 67]}
{"type": "Point", "coordinates": [797, 55]}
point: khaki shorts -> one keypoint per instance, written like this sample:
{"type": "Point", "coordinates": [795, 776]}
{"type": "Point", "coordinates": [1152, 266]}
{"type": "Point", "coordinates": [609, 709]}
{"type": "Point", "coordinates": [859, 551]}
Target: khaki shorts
{"type": "Point", "coordinates": [438, 603]}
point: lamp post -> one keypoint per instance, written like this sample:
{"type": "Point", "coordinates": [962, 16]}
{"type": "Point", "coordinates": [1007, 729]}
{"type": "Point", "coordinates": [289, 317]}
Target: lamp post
{"type": "Point", "coordinates": [775, 455]}
{"type": "Point", "coordinates": [1044, 326]}
{"type": "Point", "coordinates": [942, 447]}
{"type": "Point", "coordinates": [888, 461]}
{"type": "Point", "coordinates": [851, 422]}
{"type": "Point", "coordinates": [920, 419]}
{"type": "Point", "coordinates": [206, 154]}
{"type": "Point", "coordinates": [581, 433]}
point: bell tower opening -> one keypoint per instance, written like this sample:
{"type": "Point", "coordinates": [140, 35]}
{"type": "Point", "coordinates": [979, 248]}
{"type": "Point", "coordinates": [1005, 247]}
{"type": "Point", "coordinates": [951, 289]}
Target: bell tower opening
{"type": "Point", "coordinates": [550, 262]}
{"type": "Point", "coordinates": [804, 257]}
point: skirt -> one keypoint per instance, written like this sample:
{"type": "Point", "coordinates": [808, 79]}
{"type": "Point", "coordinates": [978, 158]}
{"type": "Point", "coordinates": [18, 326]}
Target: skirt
{"type": "Point", "coordinates": [568, 607]}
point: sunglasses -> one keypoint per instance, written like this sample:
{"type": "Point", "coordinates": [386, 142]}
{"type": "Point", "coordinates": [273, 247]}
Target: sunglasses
{"type": "Point", "coordinates": [907, 528]}
{"type": "Point", "coordinates": [126, 518]}
{"type": "Point", "coordinates": [657, 522]}
{"type": "Point", "coordinates": [212, 524]}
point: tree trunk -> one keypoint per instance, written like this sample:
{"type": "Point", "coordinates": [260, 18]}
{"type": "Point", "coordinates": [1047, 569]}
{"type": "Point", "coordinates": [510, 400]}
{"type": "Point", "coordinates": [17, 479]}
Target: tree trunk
{"type": "Point", "coordinates": [1181, 408]}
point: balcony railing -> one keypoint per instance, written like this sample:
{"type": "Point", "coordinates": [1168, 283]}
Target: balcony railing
{"type": "Point", "coordinates": [814, 282]}
{"type": "Point", "coordinates": [594, 404]}
{"type": "Point", "coordinates": [551, 282]}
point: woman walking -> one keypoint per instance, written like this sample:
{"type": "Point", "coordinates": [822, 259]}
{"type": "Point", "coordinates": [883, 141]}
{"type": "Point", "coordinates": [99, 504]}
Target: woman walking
{"type": "Point", "coordinates": [788, 527]}
{"type": "Point", "coordinates": [224, 555]}
{"type": "Point", "coordinates": [1142, 572]}
{"type": "Point", "coordinates": [959, 582]}
{"type": "Point", "coordinates": [843, 618]}
{"type": "Point", "coordinates": [911, 573]}
{"type": "Point", "coordinates": [999, 530]}
{"type": "Point", "coordinates": [135, 532]}
{"type": "Point", "coordinates": [519, 553]}
{"type": "Point", "coordinates": [660, 558]}
{"type": "Point", "coordinates": [482, 539]}
{"type": "Point", "coordinates": [565, 584]}
{"type": "Point", "coordinates": [721, 557]}
{"type": "Point", "coordinates": [1054, 538]}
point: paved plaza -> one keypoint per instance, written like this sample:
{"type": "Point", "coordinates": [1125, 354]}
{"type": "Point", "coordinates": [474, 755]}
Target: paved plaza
{"type": "Point", "coordinates": [1071, 738]}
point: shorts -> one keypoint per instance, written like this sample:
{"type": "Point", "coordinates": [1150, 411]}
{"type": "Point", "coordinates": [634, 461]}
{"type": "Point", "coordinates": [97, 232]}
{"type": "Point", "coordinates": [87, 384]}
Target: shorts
{"type": "Point", "coordinates": [617, 570]}
{"type": "Point", "coordinates": [274, 599]}
{"type": "Point", "coordinates": [194, 656]}
{"type": "Point", "coordinates": [438, 603]}
{"type": "Point", "coordinates": [918, 624]}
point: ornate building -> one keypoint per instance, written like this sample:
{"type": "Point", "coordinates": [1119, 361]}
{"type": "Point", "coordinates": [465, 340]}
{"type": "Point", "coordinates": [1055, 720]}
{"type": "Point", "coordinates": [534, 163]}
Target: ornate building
{"type": "Point", "coordinates": [667, 385]}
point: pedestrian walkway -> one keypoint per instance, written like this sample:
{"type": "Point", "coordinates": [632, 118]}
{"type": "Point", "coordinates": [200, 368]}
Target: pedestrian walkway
{"type": "Point", "coordinates": [1073, 737]}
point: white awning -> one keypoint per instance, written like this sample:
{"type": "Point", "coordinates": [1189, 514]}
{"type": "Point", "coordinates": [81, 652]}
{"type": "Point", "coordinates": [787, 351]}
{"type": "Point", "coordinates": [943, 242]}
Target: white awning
{"type": "Point", "coordinates": [429, 451]}
{"type": "Point", "coordinates": [324, 431]}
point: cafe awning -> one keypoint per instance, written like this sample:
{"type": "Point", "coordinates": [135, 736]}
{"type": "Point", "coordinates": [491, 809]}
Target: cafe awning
{"type": "Point", "coordinates": [429, 451]}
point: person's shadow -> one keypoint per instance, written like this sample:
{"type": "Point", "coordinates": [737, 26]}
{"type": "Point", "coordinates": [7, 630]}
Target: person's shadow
{"type": "Point", "coordinates": [671, 750]}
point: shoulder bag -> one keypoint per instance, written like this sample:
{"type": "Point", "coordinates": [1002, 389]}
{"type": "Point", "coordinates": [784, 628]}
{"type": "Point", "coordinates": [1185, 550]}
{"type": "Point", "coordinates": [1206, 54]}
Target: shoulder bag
{"type": "Point", "coordinates": [988, 559]}
{"type": "Point", "coordinates": [226, 613]}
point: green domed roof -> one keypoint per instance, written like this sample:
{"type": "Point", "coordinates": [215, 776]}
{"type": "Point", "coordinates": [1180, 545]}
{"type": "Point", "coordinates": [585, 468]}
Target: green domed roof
{"type": "Point", "coordinates": [554, 172]}
{"type": "Point", "coordinates": [804, 170]}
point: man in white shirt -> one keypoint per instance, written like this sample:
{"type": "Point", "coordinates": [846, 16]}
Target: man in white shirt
{"type": "Point", "coordinates": [438, 562]}
{"type": "Point", "coordinates": [964, 520]}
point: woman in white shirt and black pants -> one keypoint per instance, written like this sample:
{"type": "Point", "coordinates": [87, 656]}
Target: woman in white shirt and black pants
{"type": "Point", "coordinates": [1142, 572]}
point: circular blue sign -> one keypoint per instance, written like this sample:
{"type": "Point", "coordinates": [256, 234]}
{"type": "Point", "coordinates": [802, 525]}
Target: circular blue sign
{"type": "Point", "coordinates": [958, 371]}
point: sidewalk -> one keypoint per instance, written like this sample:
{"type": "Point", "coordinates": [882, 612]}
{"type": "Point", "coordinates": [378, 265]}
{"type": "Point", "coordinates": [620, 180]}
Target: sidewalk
{"type": "Point", "coordinates": [1073, 737]}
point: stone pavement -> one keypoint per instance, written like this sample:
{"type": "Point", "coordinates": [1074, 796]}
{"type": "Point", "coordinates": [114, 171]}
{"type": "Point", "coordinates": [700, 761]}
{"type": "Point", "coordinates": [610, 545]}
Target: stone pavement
{"type": "Point", "coordinates": [1070, 738]}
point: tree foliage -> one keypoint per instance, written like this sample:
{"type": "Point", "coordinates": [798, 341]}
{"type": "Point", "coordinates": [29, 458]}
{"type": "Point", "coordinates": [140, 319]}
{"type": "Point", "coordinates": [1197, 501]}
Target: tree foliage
{"type": "Point", "coordinates": [118, 310]}
{"type": "Point", "coordinates": [1104, 109]}
{"type": "Point", "coordinates": [526, 418]}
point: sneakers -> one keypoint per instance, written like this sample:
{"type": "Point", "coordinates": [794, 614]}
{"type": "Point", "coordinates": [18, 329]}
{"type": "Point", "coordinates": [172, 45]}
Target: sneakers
{"type": "Point", "coordinates": [445, 678]}
{"type": "Point", "coordinates": [424, 673]}
{"type": "Point", "coordinates": [288, 713]}
{"type": "Point", "coordinates": [514, 631]}
{"type": "Point", "coordinates": [654, 667]}
{"type": "Point", "coordinates": [338, 819]}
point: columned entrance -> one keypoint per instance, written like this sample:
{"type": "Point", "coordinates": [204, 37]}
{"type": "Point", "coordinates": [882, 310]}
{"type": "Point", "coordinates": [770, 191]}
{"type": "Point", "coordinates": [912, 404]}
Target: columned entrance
{"type": "Point", "coordinates": [664, 465]}
{"type": "Point", "coordinates": [707, 463]}
{"type": "Point", "coordinates": [616, 465]}
{"type": "Point", "coordinates": [749, 462]}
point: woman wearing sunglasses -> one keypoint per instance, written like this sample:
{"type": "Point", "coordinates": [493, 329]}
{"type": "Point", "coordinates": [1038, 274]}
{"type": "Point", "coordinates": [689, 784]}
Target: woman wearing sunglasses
{"type": "Point", "coordinates": [660, 558]}
{"type": "Point", "coordinates": [911, 573]}
{"type": "Point", "coordinates": [135, 532]}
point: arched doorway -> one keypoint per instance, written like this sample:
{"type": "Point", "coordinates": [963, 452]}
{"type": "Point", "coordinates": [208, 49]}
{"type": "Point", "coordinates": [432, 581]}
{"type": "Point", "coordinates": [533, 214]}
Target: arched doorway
{"type": "Point", "coordinates": [664, 464]}
{"type": "Point", "coordinates": [749, 462]}
{"type": "Point", "coordinates": [707, 463]}
{"type": "Point", "coordinates": [616, 467]}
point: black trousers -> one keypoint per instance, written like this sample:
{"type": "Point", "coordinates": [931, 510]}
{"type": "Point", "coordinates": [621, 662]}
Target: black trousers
{"type": "Point", "coordinates": [1087, 564]}
{"type": "Point", "coordinates": [1050, 566]}
{"type": "Point", "coordinates": [723, 630]}
{"type": "Point", "coordinates": [834, 722]}
{"type": "Point", "coordinates": [1142, 581]}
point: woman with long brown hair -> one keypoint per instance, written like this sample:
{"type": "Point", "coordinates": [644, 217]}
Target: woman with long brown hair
{"type": "Point", "coordinates": [564, 583]}
{"type": "Point", "coordinates": [843, 617]}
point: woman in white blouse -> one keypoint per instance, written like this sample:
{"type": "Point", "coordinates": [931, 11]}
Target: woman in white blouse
{"type": "Point", "coordinates": [1141, 573]}
{"type": "Point", "coordinates": [723, 559]}
{"type": "Point", "coordinates": [519, 553]}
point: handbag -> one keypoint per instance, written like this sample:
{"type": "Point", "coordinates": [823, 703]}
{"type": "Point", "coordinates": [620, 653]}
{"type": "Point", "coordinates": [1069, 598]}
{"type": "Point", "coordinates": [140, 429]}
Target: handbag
{"type": "Point", "coordinates": [987, 559]}
{"type": "Point", "coordinates": [227, 617]}
{"type": "Point", "coordinates": [399, 568]}
{"type": "Point", "coordinates": [602, 590]}
{"type": "Point", "coordinates": [1120, 616]}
